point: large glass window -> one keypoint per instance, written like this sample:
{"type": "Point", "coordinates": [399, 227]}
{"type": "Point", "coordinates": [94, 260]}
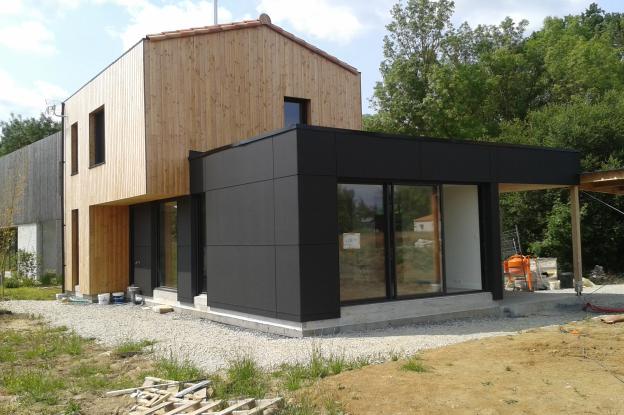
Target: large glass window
{"type": "Point", "coordinates": [361, 239]}
{"type": "Point", "coordinates": [416, 240]}
{"type": "Point", "coordinates": [168, 241]}
{"type": "Point", "coordinates": [389, 241]}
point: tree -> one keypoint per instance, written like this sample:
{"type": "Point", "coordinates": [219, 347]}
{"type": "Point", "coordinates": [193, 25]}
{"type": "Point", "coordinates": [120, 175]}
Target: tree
{"type": "Point", "coordinates": [561, 86]}
{"type": "Point", "coordinates": [19, 132]}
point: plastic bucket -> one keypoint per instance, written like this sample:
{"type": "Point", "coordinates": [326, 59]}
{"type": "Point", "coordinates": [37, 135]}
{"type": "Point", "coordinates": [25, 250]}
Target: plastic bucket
{"type": "Point", "coordinates": [104, 298]}
{"type": "Point", "coordinates": [118, 298]}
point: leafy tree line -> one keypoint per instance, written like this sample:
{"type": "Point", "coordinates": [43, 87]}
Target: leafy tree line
{"type": "Point", "coordinates": [18, 132]}
{"type": "Point", "coordinates": [560, 86]}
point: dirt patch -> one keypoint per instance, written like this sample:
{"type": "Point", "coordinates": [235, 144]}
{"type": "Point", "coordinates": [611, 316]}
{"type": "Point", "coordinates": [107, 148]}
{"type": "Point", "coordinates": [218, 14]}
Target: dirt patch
{"type": "Point", "coordinates": [571, 369]}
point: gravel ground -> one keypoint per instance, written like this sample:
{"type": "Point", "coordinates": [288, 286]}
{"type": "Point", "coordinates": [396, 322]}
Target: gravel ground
{"type": "Point", "coordinates": [210, 345]}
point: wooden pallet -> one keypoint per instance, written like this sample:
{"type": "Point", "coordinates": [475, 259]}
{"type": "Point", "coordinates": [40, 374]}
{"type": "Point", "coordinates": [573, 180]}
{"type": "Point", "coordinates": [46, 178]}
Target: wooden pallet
{"type": "Point", "coordinates": [165, 397]}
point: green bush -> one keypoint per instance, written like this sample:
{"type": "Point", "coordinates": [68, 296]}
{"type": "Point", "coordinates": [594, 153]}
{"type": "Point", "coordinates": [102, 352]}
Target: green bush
{"type": "Point", "coordinates": [12, 283]}
{"type": "Point", "coordinates": [49, 278]}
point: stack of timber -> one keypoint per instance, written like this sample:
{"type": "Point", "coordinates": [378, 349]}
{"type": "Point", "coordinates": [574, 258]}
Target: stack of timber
{"type": "Point", "coordinates": [166, 397]}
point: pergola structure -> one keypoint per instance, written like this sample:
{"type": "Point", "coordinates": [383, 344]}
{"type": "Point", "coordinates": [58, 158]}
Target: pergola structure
{"type": "Point", "coordinates": [606, 181]}
{"type": "Point", "coordinates": [575, 209]}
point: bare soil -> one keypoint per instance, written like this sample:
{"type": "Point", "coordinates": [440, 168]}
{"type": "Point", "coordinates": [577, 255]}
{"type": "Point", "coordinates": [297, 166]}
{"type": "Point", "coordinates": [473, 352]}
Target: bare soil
{"type": "Point", "coordinates": [573, 369]}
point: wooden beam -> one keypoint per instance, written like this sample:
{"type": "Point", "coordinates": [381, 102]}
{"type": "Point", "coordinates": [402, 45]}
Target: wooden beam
{"type": "Point", "coordinates": [575, 215]}
{"type": "Point", "coordinates": [524, 187]}
{"type": "Point", "coordinates": [599, 176]}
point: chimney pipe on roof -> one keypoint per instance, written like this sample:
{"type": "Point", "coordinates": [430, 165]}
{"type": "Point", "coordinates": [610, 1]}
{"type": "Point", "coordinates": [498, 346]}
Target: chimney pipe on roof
{"type": "Point", "coordinates": [216, 21]}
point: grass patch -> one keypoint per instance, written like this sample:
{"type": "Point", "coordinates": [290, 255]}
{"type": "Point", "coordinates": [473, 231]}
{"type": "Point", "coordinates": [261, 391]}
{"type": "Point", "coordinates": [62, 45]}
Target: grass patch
{"type": "Point", "coordinates": [174, 369]}
{"type": "Point", "coordinates": [415, 364]}
{"type": "Point", "coordinates": [244, 378]}
{"type": "Point", "coordinates": [34, 385]}
{"type": "Point", "coordinates": [32, 293]}
{"type": "Point", "coordinates": [294, 376]}
{"type": "Point", "coordinates": [131, 348]}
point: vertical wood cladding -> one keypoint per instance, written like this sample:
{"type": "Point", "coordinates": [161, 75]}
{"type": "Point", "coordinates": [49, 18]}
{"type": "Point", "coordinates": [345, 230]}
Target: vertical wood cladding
{"type": "Point", "coordinates": [207, 91]}
{"type": "Point", "coordinates": [120, 89]}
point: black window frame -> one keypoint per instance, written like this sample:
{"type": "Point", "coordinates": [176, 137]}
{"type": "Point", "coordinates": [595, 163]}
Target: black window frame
{"type": "Point", "coordinates": [97, 137]}
{"type": "Point", "coordinates": [304, 104]}
{"type": "Point", "coordinates": [391, 287]}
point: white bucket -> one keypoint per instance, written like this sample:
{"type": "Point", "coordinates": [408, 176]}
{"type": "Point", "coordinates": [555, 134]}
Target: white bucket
{"type": "Point", "coordinates": [104, 298]}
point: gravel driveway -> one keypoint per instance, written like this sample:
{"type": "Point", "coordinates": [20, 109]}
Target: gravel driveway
{"type": "Point", "coordinates": [210, 345]}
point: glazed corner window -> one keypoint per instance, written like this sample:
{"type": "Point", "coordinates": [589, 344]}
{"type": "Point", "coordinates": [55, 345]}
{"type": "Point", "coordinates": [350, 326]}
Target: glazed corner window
{"type": "Point", "coordinates": [295, 111]}
{"type": "Point", "coordinates": [96, 137]}
{"type": "Point", "coordinates": [74, 148]}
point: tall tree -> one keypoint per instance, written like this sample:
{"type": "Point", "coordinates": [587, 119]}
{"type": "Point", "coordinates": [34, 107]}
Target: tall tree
{"type": "Point", "coordinates": [19, 132]}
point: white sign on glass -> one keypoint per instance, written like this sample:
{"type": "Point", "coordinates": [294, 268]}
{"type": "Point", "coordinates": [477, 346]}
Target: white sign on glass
{"type": "Point", "coordinates": [350, 241]}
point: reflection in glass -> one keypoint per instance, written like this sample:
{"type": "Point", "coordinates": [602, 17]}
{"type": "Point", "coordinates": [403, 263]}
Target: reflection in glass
{"type": "Point", "coordinates": [168, 244]}
{"type": "Point", "coordinates": [361, 241]}
{"type": "Point", "coordinates": [417, 241]}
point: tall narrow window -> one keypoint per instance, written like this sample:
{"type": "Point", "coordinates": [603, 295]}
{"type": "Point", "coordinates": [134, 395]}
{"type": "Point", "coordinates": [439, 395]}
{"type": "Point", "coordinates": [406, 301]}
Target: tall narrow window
{"type": "Point", "coordinates": [75, 275]}
{"type": "Point", "coordinates": [96, 137]}
{"type": "Point", "coordinates": [361, 242]}
{"type": "Point", "coordinates": [168, 249]}
{"type": "Point", "coordinates": [74, 148]}
{"type": "Point", "coordinates": [416, 240]}
{"type": "Point", "coordinates": [295, 111]}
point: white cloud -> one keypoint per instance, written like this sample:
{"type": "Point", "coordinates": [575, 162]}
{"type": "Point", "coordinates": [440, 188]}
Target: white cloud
{"type": "Point", "coordinates": [29, 37]}
{"type": "Point", "coordinates": [27, 100]}
{"type": "Point", "coordinates": [322, 19]}
{"type": "Point", "coordinates": [148, 18]}
{"type": "Point", "coordinates": [10, 7]}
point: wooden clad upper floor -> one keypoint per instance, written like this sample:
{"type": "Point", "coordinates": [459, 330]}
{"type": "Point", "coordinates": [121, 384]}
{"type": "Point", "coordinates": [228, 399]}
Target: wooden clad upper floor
{"type": "Point", "coordinates": [194, 90]}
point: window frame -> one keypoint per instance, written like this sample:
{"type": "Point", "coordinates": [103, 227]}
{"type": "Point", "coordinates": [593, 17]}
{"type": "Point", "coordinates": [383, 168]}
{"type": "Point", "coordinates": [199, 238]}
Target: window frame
{"type": "Point", "coordinates": [74, 149]}
{"type": "Point", "coordinates": [93, 160]}
{"type": "Point", "coordinates": [304, 115]}
{"type": "Point", "coordinates": [391, 290]}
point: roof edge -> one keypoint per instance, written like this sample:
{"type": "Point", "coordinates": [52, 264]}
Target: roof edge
{"type": "Point", "coordinates": [263, 20]}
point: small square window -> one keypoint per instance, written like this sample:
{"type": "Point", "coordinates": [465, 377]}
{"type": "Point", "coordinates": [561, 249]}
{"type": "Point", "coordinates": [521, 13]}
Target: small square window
{"type": "Point", "coordinates": [97, 143]}
{"type": "Point", "coordinates": [295, 111]}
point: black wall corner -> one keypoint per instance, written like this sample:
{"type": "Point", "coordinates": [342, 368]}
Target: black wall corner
{"type": "Point", "coordinates": [491, 248]}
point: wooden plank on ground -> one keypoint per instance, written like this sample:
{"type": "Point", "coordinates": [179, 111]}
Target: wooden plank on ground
{"type": "Point", "coordinates": [206, 407]}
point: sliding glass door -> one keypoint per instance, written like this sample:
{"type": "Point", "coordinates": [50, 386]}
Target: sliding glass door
{"type": "Point", "coordinates": [416, 240]}
{"type": "Point", "coordinates": [361, 239]}
{"type": "Point", "coordinates": [389, 241]}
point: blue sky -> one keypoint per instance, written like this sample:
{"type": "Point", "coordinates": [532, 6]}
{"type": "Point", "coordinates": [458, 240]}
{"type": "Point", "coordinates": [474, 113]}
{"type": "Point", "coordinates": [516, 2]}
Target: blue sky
{"type": "Point", "coordinates": [49, 48]}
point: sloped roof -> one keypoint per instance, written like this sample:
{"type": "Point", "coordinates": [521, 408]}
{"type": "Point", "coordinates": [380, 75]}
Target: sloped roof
{"type": "Point", "coordinates": [263, 20]}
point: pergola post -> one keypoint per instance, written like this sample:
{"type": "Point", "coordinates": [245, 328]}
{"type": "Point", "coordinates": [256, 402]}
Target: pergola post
{"type": "Point", "coordinates": [575, 215]}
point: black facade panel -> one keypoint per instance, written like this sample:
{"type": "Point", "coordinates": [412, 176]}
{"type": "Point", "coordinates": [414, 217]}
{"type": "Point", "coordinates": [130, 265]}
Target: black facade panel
{"type": "Point", "coordinates": [241, 215]}
{"type": "Point", "coordinates": [317, 152]}
{"type": "Point", "coordinates": [242, 278]}
{"type": "Point", "coordinates": [287, 284]}
{"type": "Point", "coordinates": [535, 166]}
{"type": "Point", "coordinates": [490, 229]}
{"type": "Point", "coordinates": [239, 165]}
{"type": "Point", "coordinates": [366, 157]}
{"type": "Point", "coordinates": [451, 161]}
{"type": "Point", "coordinates": [196, 175]}
{"type": "Point", "coordinates": [320, 284]}
{"type": "Point", "coordinates": [286, 210]}
{"type": "Point", "coordinates": [187, 285]}
{"type": "Point", "coordinates": [285, 154]}
{"type": "Point", "coordinates": [317, 209]}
